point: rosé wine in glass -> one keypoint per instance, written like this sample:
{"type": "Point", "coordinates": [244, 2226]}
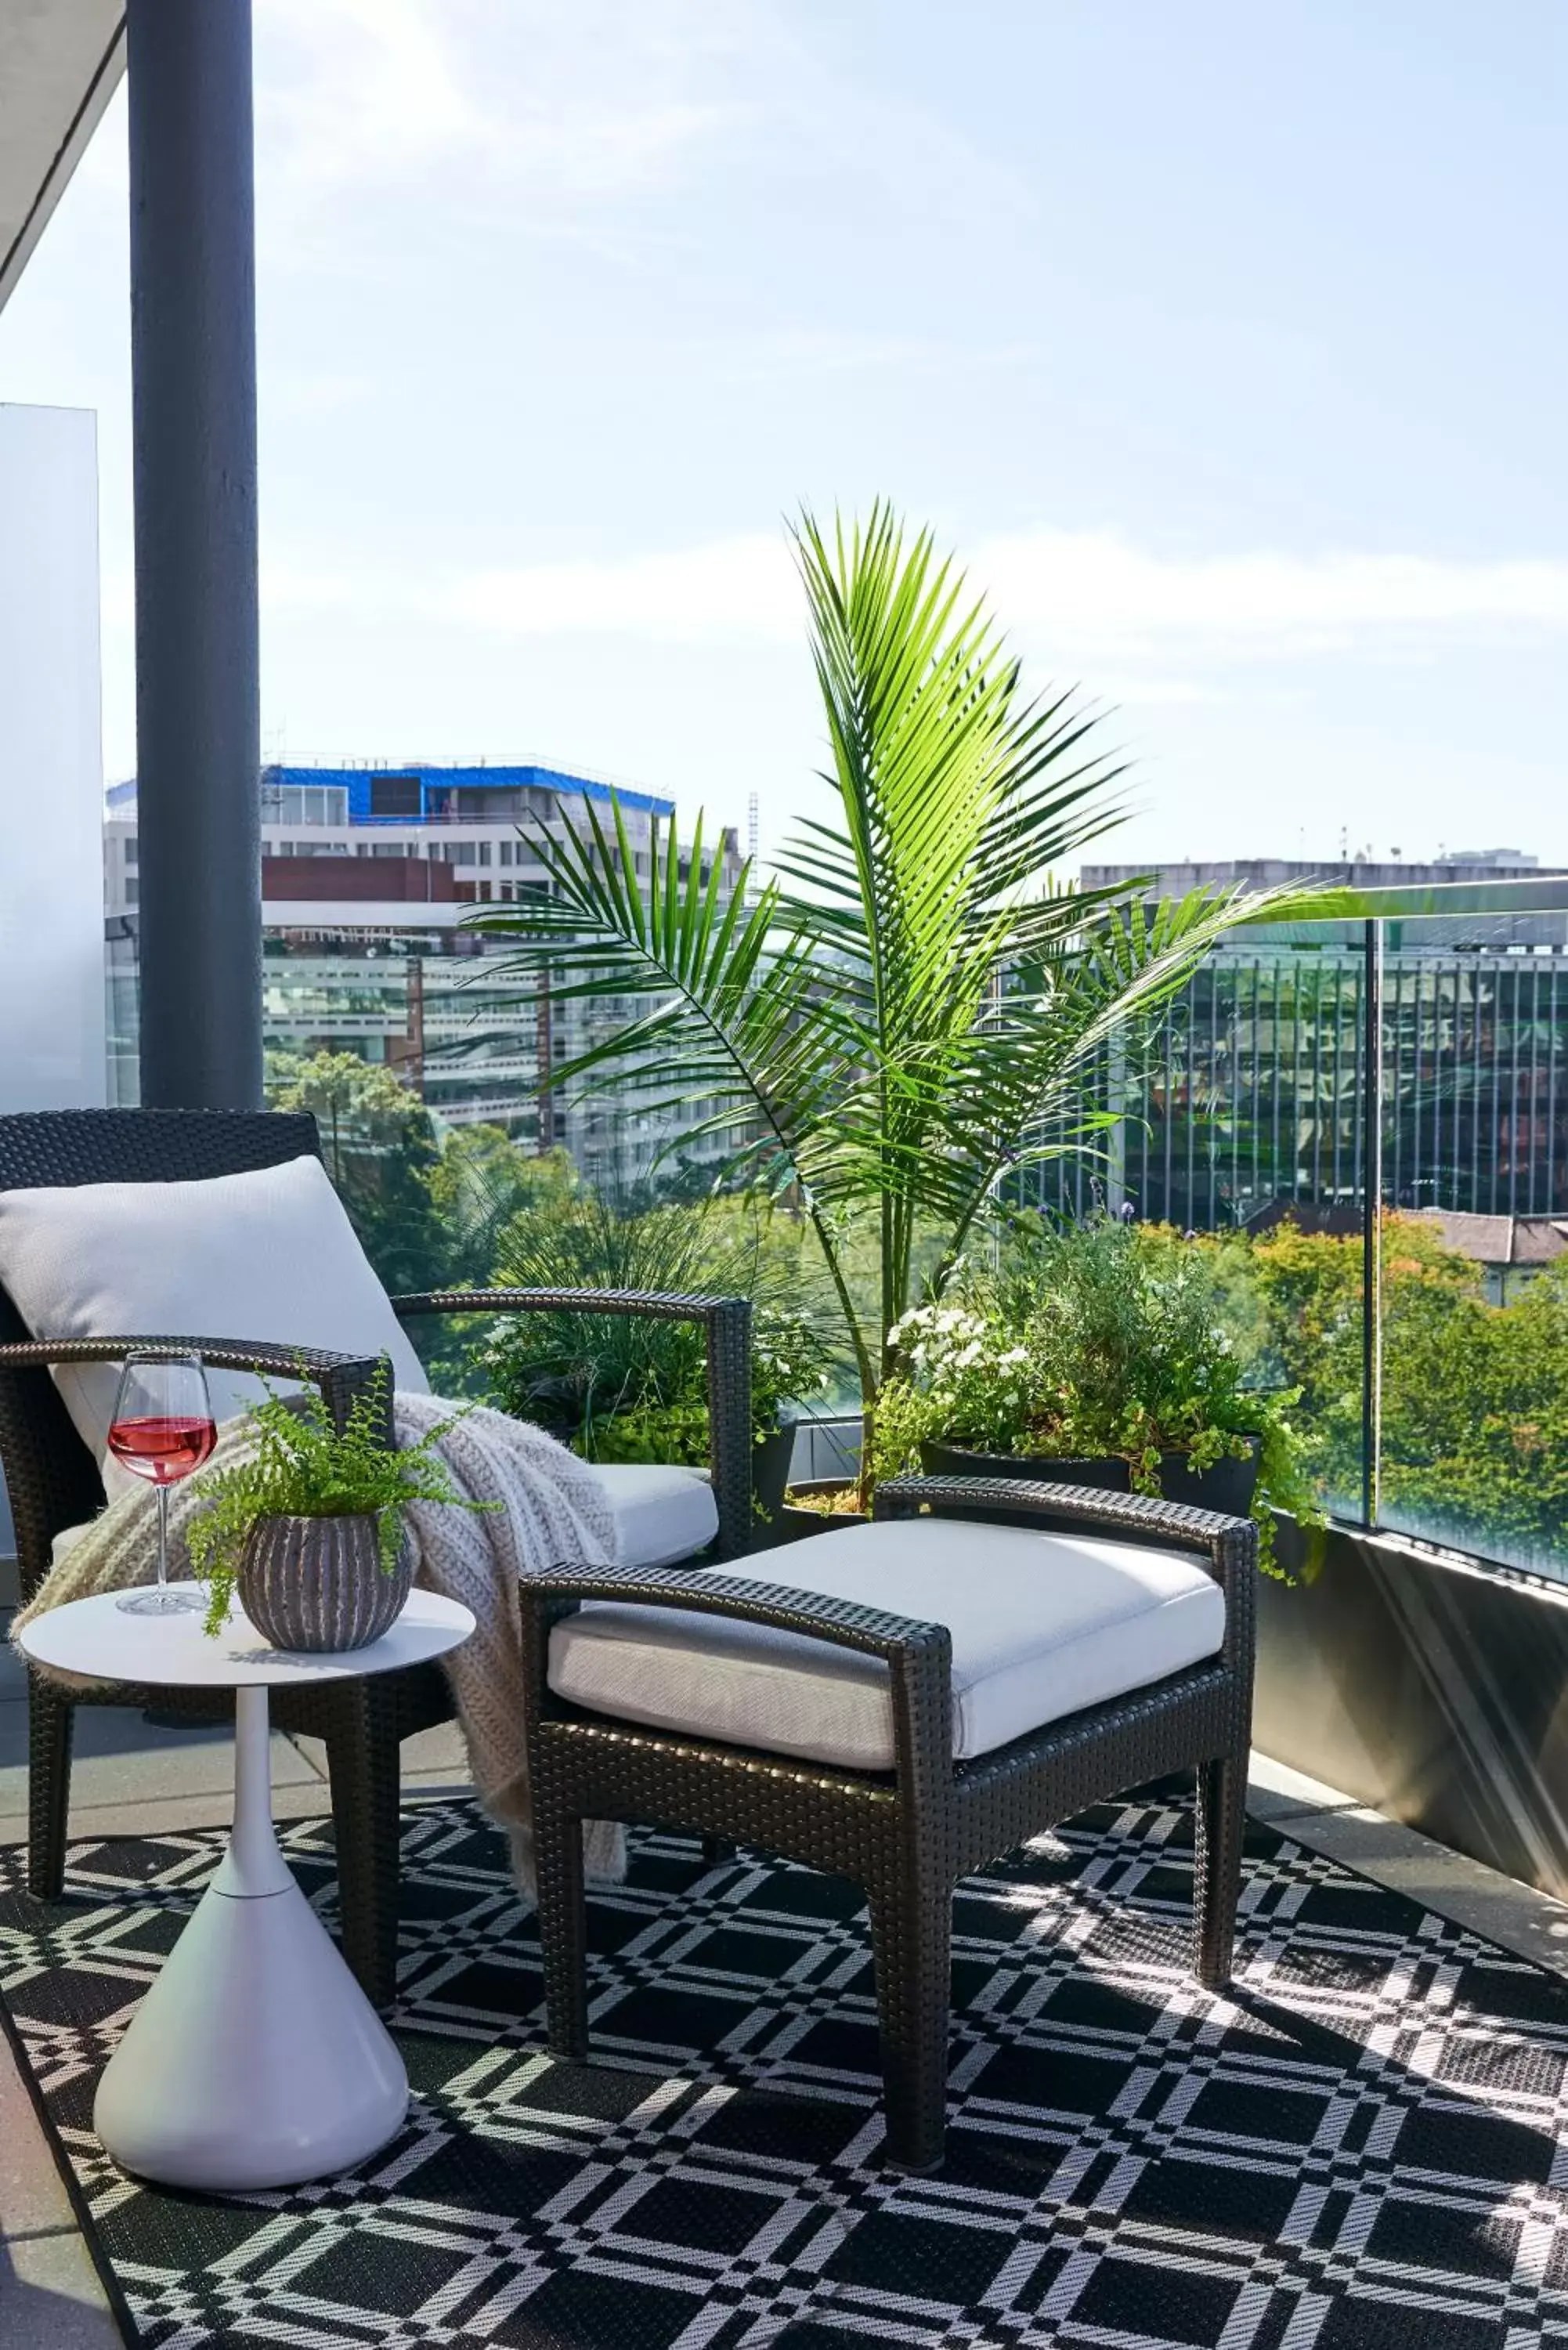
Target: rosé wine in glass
{"type": "Point", "coordinates": [162, 1450]}
{"type": "Point", "coordinates": [162, 1431]}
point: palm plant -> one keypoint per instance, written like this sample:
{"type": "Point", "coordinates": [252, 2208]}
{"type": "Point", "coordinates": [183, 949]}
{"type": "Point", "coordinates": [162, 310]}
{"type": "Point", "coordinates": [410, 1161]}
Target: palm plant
{"type": "Point", "coordinates": [912, 1008]}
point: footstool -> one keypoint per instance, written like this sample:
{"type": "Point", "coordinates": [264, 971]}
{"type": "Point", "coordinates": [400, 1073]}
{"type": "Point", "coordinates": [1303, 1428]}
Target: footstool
{"type": "Point", "coordinates": [980, 1662]}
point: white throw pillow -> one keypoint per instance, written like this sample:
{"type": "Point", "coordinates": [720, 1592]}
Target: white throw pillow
{"type": "Point", "coordinates": [269, 1255]}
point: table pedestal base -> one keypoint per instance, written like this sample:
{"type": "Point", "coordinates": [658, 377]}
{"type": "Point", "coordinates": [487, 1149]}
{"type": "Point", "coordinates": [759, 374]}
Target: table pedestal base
{"type": "Point", "coordinates": [254, 2060]}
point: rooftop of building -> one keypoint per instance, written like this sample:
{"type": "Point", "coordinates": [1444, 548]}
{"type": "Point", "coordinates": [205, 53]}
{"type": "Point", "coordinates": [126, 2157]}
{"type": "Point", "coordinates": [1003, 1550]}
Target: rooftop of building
{"type": "Point", "coordinates": [423, 791]}
{"type": "Point", "coordinates": [1353, 872]}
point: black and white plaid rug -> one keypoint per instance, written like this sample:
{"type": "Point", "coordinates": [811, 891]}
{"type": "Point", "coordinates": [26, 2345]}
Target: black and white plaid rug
{"type": "Point", "coordinates": [1366, 2145]}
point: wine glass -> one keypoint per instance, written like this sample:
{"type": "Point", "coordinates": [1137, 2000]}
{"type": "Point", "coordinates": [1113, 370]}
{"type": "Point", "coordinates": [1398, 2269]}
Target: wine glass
{"type": "Point", "coordinates": [162, 1428]}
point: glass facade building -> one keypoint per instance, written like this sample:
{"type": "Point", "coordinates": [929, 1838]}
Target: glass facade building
{"type": "Point", "coordinates": [1253, 1090]}
{"type": "Point", "coordinates": [367, 877]}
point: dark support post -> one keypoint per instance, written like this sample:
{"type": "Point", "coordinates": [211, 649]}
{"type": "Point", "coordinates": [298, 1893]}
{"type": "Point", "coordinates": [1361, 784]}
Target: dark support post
{"type": "Point", "coordinates": [1372, 1233]}
{"type": "Point", "coordinates": [193, 346]}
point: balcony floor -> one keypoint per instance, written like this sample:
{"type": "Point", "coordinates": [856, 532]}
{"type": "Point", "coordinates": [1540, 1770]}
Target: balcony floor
{"type": "Point", "coordinates": [132, 1778]}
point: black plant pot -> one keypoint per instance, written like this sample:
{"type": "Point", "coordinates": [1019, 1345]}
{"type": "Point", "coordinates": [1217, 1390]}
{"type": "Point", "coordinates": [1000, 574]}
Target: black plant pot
{"type": "Point", "coordinates": [1104, 1474]}
{"type": "Point", "coordinates": [769, 1471]}
{"type": "Point", "coordinates": [1229, 1486]}
{"type": "Point", "coordinates": [795, 1519]}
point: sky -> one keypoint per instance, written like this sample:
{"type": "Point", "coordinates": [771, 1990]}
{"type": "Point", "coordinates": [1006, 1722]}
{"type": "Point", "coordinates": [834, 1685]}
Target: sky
{"type": "Point", "coordinates": [1224, 345]}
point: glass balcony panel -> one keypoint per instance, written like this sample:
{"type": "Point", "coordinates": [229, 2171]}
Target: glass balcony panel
{"type": "Point", "coordinates": [1241, 1120]}
{"type": "Point", "coordinates": [1473, 1412]}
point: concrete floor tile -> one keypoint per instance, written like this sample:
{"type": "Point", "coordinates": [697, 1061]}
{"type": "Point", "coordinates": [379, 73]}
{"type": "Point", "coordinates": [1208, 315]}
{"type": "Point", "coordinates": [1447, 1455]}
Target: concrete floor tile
{"type": "Point", "coordinates": [172, 1815]}
{"type": "Point", "coordinates": [1515, 1916]}
{"type": "Point", "coordinates": [103, 1731]}
{"type": "Point", "coordinates": [438, 1754]}
{"type": "Point", "coordinates": [437, 1782]}
{"type": "Point", "coordinates": [1275, 1790]}
{"type": "Point", "coordinates": [50, 2298]}
{"type": "Point", "coordinates": [170, 1767]}
{"type": "Point", "coordinates": [32, 2199]}
{"type": "Point", "coordinates": [440, 1749]}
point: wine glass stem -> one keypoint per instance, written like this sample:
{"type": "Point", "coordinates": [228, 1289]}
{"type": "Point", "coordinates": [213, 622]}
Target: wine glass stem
{"type": "Point", "coordinates": [162, 1538]}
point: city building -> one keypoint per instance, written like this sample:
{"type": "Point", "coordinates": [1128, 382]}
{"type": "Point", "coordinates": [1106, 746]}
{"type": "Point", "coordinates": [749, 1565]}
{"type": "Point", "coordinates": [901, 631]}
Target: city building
{"type": "Point", "coordinates": [1248, 1096]}
{"type": "Point", "coordinates": [1532, 928]}
{"type": "Point", "coordinates": [366, 875]}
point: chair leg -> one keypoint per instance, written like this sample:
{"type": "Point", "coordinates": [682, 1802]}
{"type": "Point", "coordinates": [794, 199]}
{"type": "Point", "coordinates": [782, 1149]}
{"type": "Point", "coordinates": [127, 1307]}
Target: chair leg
{"type": "Point", "coordinates": [1217, 1870]}
{"type": "Point", "coordinates": [716, 1851]}
{"type": "Point", "coordinates": [911, 1949]}
{"type": "Point", "coordinates": [563, 1930]}
{"type": "Point", "coordinates": [363, 1766]}
{"type": "Point", "coordinates": [50, 1721]}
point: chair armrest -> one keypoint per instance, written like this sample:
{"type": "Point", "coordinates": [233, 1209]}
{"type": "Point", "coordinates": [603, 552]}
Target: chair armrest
{"type": "Point", "coordinates": [918, 1655]}
{"type": "Point", "coordinates": [841, 1622]}
{"type": "Point", "coordinates": [341, 1378]}
{"type": "Point", "coordinates": [1227, 1547]}
{"type": "Point", "coordinates": [727, 1322]}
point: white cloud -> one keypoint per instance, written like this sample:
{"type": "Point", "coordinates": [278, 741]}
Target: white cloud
{"type": "Point", "coordinates": [735, 590]}
{"type": "Point", "coordinates": [349, 89]}
{"type": "Point", "coordinates": [1098, 591]}
{"type": "Point", "coordinates": [1085, 598]}
{"type": "Point", "coordinates": [578, 106]}
{"type": "Point", "coordinates": [732, 590]}
{"type": "Point", "coordinates": [530, 118]}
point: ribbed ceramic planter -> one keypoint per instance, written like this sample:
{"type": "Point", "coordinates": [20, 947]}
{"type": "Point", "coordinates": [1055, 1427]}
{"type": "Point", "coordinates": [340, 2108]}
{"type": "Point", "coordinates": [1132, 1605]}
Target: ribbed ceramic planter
{"type": "Point", "coordinates": [317, 1582]}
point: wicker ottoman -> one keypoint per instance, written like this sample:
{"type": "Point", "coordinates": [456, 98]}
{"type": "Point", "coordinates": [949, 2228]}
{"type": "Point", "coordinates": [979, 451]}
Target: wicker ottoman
{"type": "Point", "coordinates": [980, 1663]}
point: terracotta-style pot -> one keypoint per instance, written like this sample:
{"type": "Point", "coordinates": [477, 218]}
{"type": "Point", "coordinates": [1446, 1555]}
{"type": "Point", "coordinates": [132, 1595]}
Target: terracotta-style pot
{"type": "Point", "coordinates": [311, 1584]}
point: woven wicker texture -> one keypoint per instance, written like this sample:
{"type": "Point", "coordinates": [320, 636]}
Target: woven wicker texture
{"type": "Point", "coordinates": [907, 1836]}
{"type": "Point", "coordinates": [54, 1482]}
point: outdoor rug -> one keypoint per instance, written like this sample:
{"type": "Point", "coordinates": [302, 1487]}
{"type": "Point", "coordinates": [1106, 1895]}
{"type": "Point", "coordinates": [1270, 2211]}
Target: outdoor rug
{"type": "Point", "coordinates": [1366, 2145]}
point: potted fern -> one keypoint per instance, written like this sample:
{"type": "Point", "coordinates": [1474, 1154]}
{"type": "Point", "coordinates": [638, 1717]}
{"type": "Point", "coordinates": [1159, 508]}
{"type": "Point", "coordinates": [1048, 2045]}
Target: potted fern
{"type": "Point", "coordinates": [310, 1528]}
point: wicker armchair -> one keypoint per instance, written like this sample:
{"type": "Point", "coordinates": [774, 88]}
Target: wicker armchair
{"type": "Point", "coordinates": [909, 1834]}
{"type": "Point", "coordinates": [54, 1482]}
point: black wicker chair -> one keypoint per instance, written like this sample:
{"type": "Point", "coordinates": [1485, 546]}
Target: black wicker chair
{"type": "Point", "coordinates": [54, 1482]}
{"type": "Point", "coordinates": [909, 1834]}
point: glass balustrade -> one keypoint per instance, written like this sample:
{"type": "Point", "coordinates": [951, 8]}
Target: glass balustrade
{"type": "Point", "coordinates": [1364, 1122]}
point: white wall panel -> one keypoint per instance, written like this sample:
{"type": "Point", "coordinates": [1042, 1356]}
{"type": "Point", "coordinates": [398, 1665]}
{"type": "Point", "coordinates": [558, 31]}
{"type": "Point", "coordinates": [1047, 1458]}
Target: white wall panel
{"type": "Point", "coordinates": [51, 763]}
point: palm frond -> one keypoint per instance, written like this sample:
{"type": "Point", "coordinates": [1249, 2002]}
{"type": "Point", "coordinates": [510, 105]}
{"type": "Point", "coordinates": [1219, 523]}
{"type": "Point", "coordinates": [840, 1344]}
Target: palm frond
{"type": "Point", "coordinates": [915, 1002]}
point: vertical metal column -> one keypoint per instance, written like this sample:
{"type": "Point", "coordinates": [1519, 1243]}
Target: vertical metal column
{"type": "Point", "coordinates": [1371, 1236]}
{"type": "Point", "coordinates": [544, 1048]}
{"type": "Point", "coordinates": [1552, 1046]}
{"type": "Point", "coordinates": [193, 346]}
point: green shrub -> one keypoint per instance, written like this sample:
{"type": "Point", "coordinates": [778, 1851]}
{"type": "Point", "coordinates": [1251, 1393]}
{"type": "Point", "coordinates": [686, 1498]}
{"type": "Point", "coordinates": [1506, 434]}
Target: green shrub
{"type": "Point", "coordinates": [1094, 1340]}
{"type": "Point", "coordinates": [627, 1388]}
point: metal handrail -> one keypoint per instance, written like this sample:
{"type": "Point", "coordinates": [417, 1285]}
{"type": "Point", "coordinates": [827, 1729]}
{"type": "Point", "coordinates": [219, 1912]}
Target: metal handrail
{"type": "Point", "coordinates": [1541, 893]}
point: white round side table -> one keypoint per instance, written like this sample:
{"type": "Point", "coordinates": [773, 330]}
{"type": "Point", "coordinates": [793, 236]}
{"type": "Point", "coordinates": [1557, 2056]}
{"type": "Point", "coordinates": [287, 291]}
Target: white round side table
{"type": "Point", "coordinates": [254, 2060]}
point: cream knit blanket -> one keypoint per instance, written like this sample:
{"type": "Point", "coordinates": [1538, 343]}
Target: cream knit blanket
{"type": "Point", "coordinates": [558, 1514]}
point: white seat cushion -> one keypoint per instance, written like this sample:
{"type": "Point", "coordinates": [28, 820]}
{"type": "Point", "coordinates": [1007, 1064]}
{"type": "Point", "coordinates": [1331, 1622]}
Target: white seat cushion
{"type": "Point", "coordinates": [269, 1254]}
{"type": "Point", "coordinates": [1043, 1625]}
{"type": "Point", "coordinates": [661, 1515]}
